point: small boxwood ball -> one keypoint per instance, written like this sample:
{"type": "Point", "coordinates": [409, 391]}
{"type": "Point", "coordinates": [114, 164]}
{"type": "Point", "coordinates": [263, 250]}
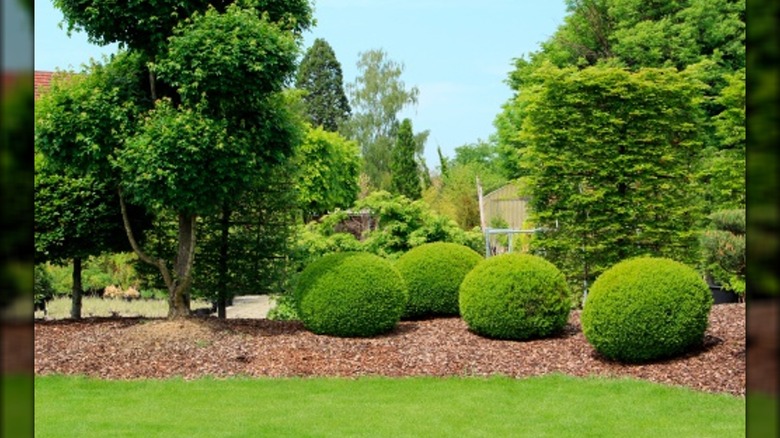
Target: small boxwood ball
{"type": "Point", "coordinates": [350, 295]}
{"type": "Point", "coordinates": [515, 296]}
{"type": "Point", "coordinates": [433, 273]}
{"type": "Point", "coordinates": [646, 308]}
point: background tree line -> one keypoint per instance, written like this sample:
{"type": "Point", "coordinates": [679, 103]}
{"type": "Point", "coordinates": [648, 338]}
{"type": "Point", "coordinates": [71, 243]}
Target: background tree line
{"type": "Point", "coordinates": [629, 127]}
{"type": "Point", "coordinates": [625, 135]}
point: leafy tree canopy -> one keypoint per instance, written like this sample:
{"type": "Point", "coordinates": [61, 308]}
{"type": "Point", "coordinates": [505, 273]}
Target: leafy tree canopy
{"type": "Point", "coordinates": [376, 97]}
{"type": "Point", "coordinates": [138, 26]}
{"type": "Point", "coordinates": [327, 167]}
{"type": "Point", "coordinates": [704, 39]}
{"type": "Point", "coordinates": [188, 116]}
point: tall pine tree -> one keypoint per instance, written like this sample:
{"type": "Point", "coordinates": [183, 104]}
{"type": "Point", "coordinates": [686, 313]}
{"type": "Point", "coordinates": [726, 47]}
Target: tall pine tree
{"type": "Point", "coordinates": [405, 176]}
{"type": "Point", "coordinates": [320, 75]}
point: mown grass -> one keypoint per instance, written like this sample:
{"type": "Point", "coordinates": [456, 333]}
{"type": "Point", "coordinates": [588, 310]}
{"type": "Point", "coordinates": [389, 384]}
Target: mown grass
{"type": "Point", "coordinates": [59, 308]}
{"type": "Point", "coordinates": [16, 405]}
{"type": "Point", "coordinates": [550, 406]}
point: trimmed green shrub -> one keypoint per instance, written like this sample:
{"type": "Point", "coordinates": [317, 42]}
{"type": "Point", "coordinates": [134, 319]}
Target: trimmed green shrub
{"type": "Point", "coordinates": [350, 294]}
{"type": "Point", "coordinates": [646, 308]}
{"type": "Point", "coordinates": [723, 249]}
{"type": "Point", "coordinates": [284, 309]}
{"type": "Point", "coordinates": [515, 296]}
{"type": "Point", "coordinates": [42, 287]}
{"type": "Point", "coordinates": [433, 273]}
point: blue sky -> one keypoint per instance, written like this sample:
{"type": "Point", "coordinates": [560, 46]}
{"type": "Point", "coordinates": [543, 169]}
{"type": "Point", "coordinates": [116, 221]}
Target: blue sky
{"type": "Point", "coordinates": [457, 52]}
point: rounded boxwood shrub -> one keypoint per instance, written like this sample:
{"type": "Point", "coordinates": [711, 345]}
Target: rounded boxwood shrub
{"type": "Point", "coordinates": [433, 273]}
{"type": "Point", "coordinates": [515, 296]}
{"type": "Point", "coordinates": [646, 308]}
{"type": "Point", "coordinates": [350, 294]}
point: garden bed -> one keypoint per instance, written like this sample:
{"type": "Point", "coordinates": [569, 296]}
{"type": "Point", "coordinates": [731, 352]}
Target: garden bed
{"type": "Point", "coordinates": [136, 348]}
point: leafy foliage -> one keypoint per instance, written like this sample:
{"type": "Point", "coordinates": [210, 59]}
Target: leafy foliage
{"type": "Point", "coordinates": [723, 247]}
{"type": "Point", "coordinates": [609, 158]}
{"type": "Point", "coordinates": [99, 271]}
{"type": "Point", "coordinates": [387, 225]}
{"type": "Point", "coordinates": [156, 176]}
{"type": "Point", "coordinates": [284, 309]}
{"type": "Point", "coordinates": [405, 178]}
{"type": "Point", "coordinates": [244, 246]}
{"type": "Point", "coordinates": [83, 119]}
{"type": "Point", "coordinates": [320, 75]}
{"type": "Point", "coordinates": [704, 38]}
{"type": "Point", "coordinates": [350, 294]}
{"type": "Point", "coordinates": [405, 224]}
{"type": "Point", "coordinates": [376, 98]}
{"type": "Point", "coordinates": [43, 286]}
{"type": "Point", "coordinates": [454, 194]}
{"type": "Point", "coordinates": [515, 296]}
{"type": "Point", "coordinates": [137, 26]}
{"type": "Point", "coordinates": [239, 58]}
{"type": "Point", "coordinates": [723, 167]}
{"type": "Point", "coordinates": [433, 273]}
{"type": "Point", "coordinates": [191, 115]}
{"type": "Point", "coordinates": [326, 168]}
{"type": "Point", "coordinates": [645, 309]}
{"type": "Point", "coordinates": [75, 217]}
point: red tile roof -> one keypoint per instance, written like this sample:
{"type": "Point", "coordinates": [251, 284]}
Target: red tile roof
{"type": "Point", "coordinates": [42, 81]}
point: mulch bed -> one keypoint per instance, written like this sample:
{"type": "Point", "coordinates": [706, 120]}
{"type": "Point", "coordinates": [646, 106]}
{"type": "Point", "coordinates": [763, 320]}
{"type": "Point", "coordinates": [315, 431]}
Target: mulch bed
{"type": "Point", "coordinates": [135, 348]}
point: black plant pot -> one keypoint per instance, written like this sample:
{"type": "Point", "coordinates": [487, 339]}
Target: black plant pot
{"type": "Point", "coordinates": [721, 296]}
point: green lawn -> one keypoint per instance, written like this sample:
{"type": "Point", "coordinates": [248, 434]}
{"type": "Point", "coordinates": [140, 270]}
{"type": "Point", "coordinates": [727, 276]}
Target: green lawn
{"type": "Point", "coordinates": [551, 406]}
{"type": "Point", "coordinates": [16, 405]}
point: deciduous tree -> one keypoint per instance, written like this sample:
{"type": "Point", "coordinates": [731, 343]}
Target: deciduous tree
{"type": "Point", "coordinates": [327, 167]}
{"type": "Point", "coordinates": [377, 96]}
{"type": "Point", "coordinates": [208, 121]}
{"type": "Point", "coordinates": [78, 217]}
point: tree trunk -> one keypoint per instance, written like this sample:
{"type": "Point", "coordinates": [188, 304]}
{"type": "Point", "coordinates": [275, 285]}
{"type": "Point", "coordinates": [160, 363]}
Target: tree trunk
{"type": "Point", "coordinates": [178, 305]}
{"type": "Point", "coordinates": [223, 268]}
{"type": "Point", "coordinates": [76, 292]}
{"type": "Point", "coordinates": [180, 281]}
{"type": "Point", "coordinates": [179, 286]}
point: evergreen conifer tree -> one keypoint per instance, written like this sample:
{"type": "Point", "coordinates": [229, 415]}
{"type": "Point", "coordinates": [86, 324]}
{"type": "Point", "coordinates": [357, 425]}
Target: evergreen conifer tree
{"type": "Point", "coordinates": [405, 176]}
{"type": "Point", "coordinates": [320, 75]}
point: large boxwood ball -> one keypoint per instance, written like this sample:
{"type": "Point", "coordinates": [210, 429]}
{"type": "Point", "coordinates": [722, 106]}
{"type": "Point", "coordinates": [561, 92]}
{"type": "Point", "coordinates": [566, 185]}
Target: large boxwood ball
{"type": "Point", "coordinates": [433, 273]}
{"type": "Point", "coordinates": [350, 295]}
{"type": "Point", "coordinates": [646, 308]}
{"type": "Point", "coordinates": [515, 296]}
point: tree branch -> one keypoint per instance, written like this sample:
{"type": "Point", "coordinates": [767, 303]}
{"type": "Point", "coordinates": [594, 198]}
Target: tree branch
{"type": "Point", "coordinates": [186, 274]}
{"type": "Point", "coordinates": [160, 264]}
{"type": "Point", "coordinates": [152, 85]}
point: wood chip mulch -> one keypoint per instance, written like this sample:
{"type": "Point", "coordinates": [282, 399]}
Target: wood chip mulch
{"type": "Point", "coordinates": [134, 348]}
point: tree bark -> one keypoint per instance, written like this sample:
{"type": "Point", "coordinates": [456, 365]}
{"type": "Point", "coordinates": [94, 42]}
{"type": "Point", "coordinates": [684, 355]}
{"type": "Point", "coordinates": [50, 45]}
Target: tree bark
{"type": "Point", "coordinates": [77, 291]}
{"type": "Point", "coordinates": [179, 288]}
{"type": "Point", "coordinates": [179, 283]}
{"type": "Point", "coordinates": [223, 268]}
{"type": "Point", "coordinates": [152, 85]}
